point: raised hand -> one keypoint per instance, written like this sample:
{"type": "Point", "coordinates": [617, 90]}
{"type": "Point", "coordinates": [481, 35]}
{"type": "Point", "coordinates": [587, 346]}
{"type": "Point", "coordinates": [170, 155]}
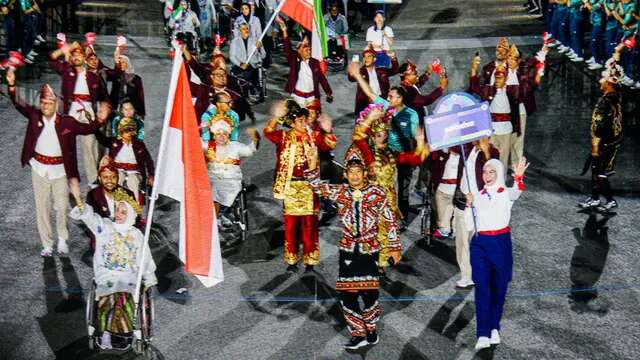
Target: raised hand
{"type": "Point", "coordinates": [11, 77]}
{"type": "Point", "coordinates": [354, 68]}
{"type": "Point", "coordinates": [325, 123]}
{"type": "Point", "coordinates": [521, 167]}
{"type": "Point", "coordinates": [279, 109]}
{"type": "Point", "coordinates": [311, 153]}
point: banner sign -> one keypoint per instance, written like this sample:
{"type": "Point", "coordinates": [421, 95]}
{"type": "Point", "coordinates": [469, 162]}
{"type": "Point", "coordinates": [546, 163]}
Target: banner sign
{"type": "Point", "coordinates": [459, 126]}
{"type": "Point", "coordinates": [385, 1]}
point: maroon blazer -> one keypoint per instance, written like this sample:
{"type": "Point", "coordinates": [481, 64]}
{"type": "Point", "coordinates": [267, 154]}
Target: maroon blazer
{"type": "Point", "coordinates": [66, 127]}
{"type": "Point", "coordinates": [417, 101]}
{"type": "Point", "coordinates": [319, 79]}
{"type": "Point", "coordinates": [362, 100]}
{"type": "Point", "coordinates": [69, 74]}
{"type": "Point", "coordinates": [487, 92]}
{"type": "Point", "coordinates": [143, 158]}
{"type": "Point", "coordinates": [527, 79]}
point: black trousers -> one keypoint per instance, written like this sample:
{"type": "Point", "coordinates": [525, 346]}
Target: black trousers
{"type": "Point", "coordinates": [404, 180]}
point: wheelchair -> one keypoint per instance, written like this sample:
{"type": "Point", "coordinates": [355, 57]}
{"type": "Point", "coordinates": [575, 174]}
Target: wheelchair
{"type": "Point", "coordinates": [337, 57]}
{"type": "Point", "coordinates": [239, 214]}
{"type": "Point", "coordinates": [137, 340]}
{"type": "Point", "coordinates": [254, 91]}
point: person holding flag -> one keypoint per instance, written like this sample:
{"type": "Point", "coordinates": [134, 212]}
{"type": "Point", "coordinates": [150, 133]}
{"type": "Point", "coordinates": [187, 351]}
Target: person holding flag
{"type": "Point", "coordinates": [305, 72]}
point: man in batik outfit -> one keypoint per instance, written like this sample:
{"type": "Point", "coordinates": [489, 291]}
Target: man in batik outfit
{"type": "Point", "coordinates": [362, 209]}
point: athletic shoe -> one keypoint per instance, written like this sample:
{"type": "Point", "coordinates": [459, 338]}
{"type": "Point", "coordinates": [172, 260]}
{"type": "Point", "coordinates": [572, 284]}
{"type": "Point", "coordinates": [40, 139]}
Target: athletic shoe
{"type": "Point", "coordinates": [63, 248]}
{"type": "Point", "coordinates": [595, 66]}
{"type": "Point", "coordinates": [589, 203]}
{"type": "Point", "coordinates": [356, 342]}
{"type": "Point", "coordinates": [32, 53]}
{"type": "Point", "coordinates": [36, 42]}
{"type": "Point", "coordinates": [636, 85]}
{"type": "Point", "coordinates": [577, 59]}
{"type": "Point", "coordinates": [563, 49]}
{"type": "Point", "coordinates": [441, 233]}
{"type": "Point", "coordinates": [483, 343]}
{"type": "Point", "coordinates": [41, 38]}
{"type": "Point", "coordinates": [495, 337]}
{"type": "Point", "coordinates": [46, 252]}
{"type": "Point", "coordinates": [28, 60]}
{"type": "Point", "coordinates": [372, 338]}
{"type": "Point", "coordinates": [552, 43]}
{"type": "Point", "coordinates": [626, 81]}
{"type": "Point", "coordinates": [464, 283]}
{"type": "Point", "coordinates": [606, 207]}
{"type": "Point", "coordinates": [591, 60]}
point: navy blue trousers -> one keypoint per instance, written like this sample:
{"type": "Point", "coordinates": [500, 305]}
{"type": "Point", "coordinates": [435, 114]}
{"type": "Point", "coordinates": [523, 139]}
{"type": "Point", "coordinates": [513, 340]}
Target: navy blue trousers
{"type": "Point", "coordinates": [492, 267]}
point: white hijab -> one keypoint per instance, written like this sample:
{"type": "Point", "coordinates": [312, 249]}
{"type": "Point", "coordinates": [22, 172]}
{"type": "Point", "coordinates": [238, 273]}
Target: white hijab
{"type": "Point", "coordinates": [497, 165]}
{"type": "Point", "coordinates": [128, 222]}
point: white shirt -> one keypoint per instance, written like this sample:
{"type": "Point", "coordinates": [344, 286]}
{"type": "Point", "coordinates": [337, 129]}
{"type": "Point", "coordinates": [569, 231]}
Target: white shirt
{"type": "Point", "coordinates": [82, 88]}
{"type": "Point", "coordinates": [305, 78]}
{"type": "Point", "coordinates": [48, 144]}
{"type": "Point", "coordinates": [493, 208]}
{"type": "Point", "coordinates": [234, 150]}
{"type": "Point", "coordinates": [450, 172]}
{"type": "Point", "coordinates": [512, 77]}
{"type": "Point", "coordinates": [493, 74]}
{"type": "Point", "coordinates": [126, 155]}
{"type": "Point", "coordinates": [373, 81]}
{"type": "Point", "coordinates": [500, 105]}
{"type": "Point", "coordinates": [377, 38]}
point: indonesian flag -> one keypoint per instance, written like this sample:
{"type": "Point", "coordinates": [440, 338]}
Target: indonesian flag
{"type": "Point", "coordinates": [308, 13]}
{"type": "Point", "coordinates": [182, 175]}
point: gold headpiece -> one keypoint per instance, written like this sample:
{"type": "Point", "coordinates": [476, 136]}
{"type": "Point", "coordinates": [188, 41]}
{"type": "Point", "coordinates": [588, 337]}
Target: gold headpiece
{"type": "Point", "coordinates": [121, 195]}
{"type": "Point", "coordinates": [127, 123]}
{"type": "Point", "coordinates": [513, 51]}
{"type": "Point", "coordinates": [503, 44]}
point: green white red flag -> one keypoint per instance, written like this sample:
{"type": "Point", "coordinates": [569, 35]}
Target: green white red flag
{"type": "Point", "coordinates": [308, 13]}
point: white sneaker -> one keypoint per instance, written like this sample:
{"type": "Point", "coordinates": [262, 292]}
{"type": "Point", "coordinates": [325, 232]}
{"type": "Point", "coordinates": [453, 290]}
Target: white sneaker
{"type": "Point", "coordinates": [577, 59]}
{"type": "Point", "coordinates": [553, 44]}
{"type": "Point", "coordinates": [483, 343]}
{"type": "Point", "coordinates": [495, 337]}
{"type": "Point", "coordinates": [591, 60]}
{"type": "Point", "coordinates": [40, 38]}
{"type": "Point", "coordinates": [627, 81]}
{"type": "Point", "coordinates": [32, 53]}
{"type": "Point", "coordinates": [36, 42]}
{"type": "Point", "coordinates": [464, 283]}
{"type": "Point", "coordinates": [595, 66]}
{"type": "Point", "coordinates": [636, 85]}
{"type": "Point", "coordinates": [63, 248]}
{"type": "Point", "coordinates": [105, 340]}
{"type": "Point", "coordinates": [562, 49]}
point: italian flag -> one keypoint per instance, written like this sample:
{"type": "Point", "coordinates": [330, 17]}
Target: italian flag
{"type": "Point", "coordinates": [308, 13]}
{"type": "Point", "coordinates": [182, 175]}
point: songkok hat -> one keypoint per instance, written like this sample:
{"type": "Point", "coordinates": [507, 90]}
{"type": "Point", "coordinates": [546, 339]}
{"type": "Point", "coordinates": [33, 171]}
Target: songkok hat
{"type": "Point", "coordinates": [47, 93]}
{"type": "Point", "coordinates": [503, 44]}
{"type": "Point", "coordinates": [221, 123]}
{"type": "Point", "coordinates": [127, 123]}
{"type": "Point", "coordinates": [612, 72]}
{"type": "Point", "coordinates": [107, 164]}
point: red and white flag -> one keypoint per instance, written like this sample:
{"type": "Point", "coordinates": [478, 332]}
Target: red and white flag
{"type": "Point", "coordinates": [182, 175]}
{"type": "Point", "coordinates": [308, 13]}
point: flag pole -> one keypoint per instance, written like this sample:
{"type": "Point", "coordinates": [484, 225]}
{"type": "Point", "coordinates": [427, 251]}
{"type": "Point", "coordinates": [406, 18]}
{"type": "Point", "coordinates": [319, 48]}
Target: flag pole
{"type": "Point", "coordinates": [175, 71]}
{"type": "Point", "coordinates": [266, 28]}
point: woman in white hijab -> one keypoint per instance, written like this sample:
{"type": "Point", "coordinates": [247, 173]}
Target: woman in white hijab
{"type": "Point", "coordinates": [116, 264]}
{"type": "Point", "coordinates": [491, 253]}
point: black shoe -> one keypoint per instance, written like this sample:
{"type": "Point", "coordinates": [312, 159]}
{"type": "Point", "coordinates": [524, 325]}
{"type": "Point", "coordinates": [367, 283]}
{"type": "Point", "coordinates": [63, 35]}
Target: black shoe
{"type": "Point", "coordinates": [372, 338]}
{"type": "Point", "coordinates": [308, 269]}
{"type": "Point", "coordinates": [292, 268]}
{"type": "Point", "coordinates": [356, 342]}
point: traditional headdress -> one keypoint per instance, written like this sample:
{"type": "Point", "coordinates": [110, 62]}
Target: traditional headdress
{"type": "Point", "coordinates": [513, 51]}
{"type": "Point", "coordinates": [503, 44]}
{"type": "Point", "coordinates": [407, 68]}
{"type": "Point", "coordinates": [127, 123]}
{"type": "Point", "coordinates": [293, 111]}
{"type": "Point", "coordinates": [382, 124]}
{"type": "Point", "coordinates": [221, 123]}
{"type": "Point", "coordinates": [47, 93]}
{"type": "Point", "coordinates": [107, 164]}
{"type": "Point", "coordinates": [314, 105]}
{"type": "Point", "coordinates": [121, 195]}
{"type": "Point", "coordinates": [75, 47]}
{"type": "Point", "coordinates": [612, 72]}
{"type": "Point", "coordinates": [501, 70]}
{"type": "Point", "coordinates": [354, 158]}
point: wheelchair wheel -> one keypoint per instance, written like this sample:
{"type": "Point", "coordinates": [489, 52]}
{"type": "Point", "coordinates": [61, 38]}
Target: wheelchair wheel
{"type": "Point", "coordinates": [90, 315]}
{"type": "Point", "coordinates": [262, 76]}
{"type": "Point", "coordinates": [425, 215]}
{"type": "Point", "coordinates": [241, 213]}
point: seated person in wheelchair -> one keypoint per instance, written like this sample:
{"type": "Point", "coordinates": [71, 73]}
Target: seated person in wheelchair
{"type": "Point", "coordinates": [130, 156]}
{"type": "Point", "coordinates": [185, 21]}
{"type": "Point", "coordinates": [223, 161]}
{"type": "Point", "coordinates": [241, 47]}
{"type": "Point", "coordinates": [336, 25]}
{"type": "Point", "coordinates": [221, 104]}
{"type": "Point", "coordinates": [115, 266]}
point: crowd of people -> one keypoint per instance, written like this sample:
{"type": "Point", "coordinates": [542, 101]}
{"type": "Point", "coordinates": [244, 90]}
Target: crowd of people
{"type": "Point", "coordinates": [105, 108]}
